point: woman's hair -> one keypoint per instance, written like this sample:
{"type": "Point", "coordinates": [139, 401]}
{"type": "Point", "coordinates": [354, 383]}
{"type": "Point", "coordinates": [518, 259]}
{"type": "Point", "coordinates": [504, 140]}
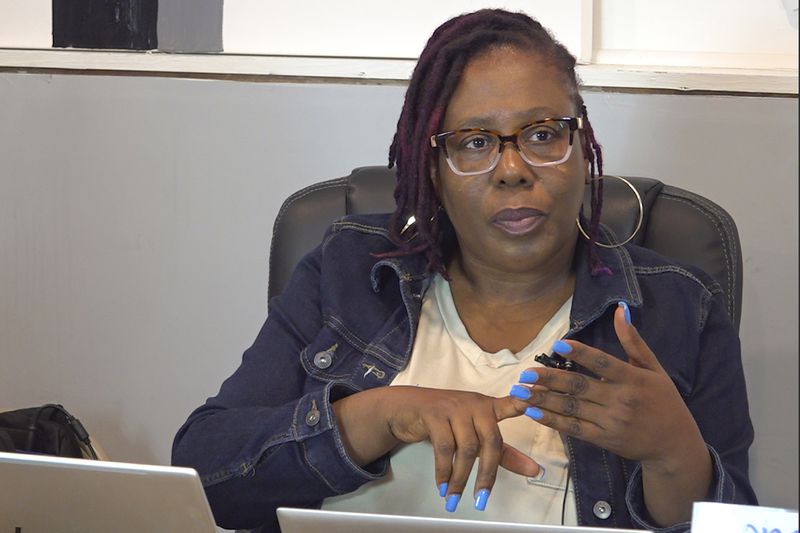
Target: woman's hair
{"type": "Point", "coordinates": [435, 78]}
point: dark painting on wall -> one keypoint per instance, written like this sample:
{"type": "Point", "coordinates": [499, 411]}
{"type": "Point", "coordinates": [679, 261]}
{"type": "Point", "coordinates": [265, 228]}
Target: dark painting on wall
{"type": "Point", "coordinates": [114, 24]}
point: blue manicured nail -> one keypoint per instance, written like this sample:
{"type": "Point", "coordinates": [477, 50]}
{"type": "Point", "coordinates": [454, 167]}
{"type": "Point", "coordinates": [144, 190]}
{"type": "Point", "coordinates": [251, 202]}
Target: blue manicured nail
{"type": "Point", "coordinates": [518, 391]}
{"type": "Point", "coordinates": [561, 347]}
{"type": "Point", "coordinates": [481, 499]}
{"type": "Point", "coordinates": [452, 503]}
{"type": "Point", "coordinates": [528, 376]}
{"type": "Point", "coordinates": [442, 489]}
{"type": "Point", "coordinates": [624, 306]}
{"type": "Point", "coordinates": [533, 412]}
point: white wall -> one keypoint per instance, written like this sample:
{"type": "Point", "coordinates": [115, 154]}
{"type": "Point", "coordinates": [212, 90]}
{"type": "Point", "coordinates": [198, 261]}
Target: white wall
{"type": "Point", "coordinates": [135, 218]}
{"type": "Point", "coordinates": [759, 34]}
{"type": "Point", "coordinates": [355, 28]}
{"type": "Point", "coordinates": [368, 28]}
{"type": "Point", "coordinates": [26, 23]}
{"type": "Point", "coordinates": [741, 34]}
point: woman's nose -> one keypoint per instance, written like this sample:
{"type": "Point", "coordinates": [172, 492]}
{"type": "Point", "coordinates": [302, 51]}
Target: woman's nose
{"type": "Point", "coordinates": [511, 169]}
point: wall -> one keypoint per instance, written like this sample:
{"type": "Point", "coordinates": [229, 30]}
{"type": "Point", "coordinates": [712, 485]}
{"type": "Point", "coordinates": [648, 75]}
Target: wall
{"type": "Point", "coordinates": [135, 218]}
{"type": "Point", "coordinates": [759, 34]}
{"type": "Point", "coordinates": [712, 33]}
{"type": "Point", "coordinates": [746, 46]}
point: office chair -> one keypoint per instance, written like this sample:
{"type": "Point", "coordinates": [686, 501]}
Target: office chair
{"type": "Point", "coordinates": [676, 223]}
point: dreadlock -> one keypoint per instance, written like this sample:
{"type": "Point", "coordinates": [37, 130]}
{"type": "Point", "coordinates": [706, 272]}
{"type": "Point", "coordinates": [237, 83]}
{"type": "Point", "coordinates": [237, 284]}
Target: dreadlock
{"type": "Point", "coordinates": [438, 72]}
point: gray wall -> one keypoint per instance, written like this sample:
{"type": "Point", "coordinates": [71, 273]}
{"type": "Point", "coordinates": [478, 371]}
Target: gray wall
{"type": "Point", "coordinates": [135, 218]}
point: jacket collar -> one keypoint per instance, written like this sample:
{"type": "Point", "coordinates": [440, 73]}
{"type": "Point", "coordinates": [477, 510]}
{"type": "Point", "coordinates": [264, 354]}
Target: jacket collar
{"type": "Point", "coordinates": [407, 268]}
{"type": "Point", "coordinates": [592, 296]}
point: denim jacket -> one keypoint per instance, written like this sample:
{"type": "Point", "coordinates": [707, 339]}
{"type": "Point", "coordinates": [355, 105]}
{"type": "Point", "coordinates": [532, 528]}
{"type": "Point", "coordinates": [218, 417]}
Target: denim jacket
{"type": "Point", "coordinates": [347, 322]}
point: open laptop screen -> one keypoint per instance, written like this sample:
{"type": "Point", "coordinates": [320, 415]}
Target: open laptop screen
{"type": "Point", "coordinates": [40, 493]}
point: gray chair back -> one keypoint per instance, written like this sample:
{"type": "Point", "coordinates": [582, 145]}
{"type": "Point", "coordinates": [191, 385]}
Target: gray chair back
{"type": "Point", "coordinates": [677, 223]}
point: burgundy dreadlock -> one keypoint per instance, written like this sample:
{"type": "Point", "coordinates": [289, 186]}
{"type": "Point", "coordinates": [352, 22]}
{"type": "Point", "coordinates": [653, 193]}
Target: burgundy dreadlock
{"type": "Point", "coordinates": [435, 78]}
{"type": "Point", "coordinates": [593, 154]}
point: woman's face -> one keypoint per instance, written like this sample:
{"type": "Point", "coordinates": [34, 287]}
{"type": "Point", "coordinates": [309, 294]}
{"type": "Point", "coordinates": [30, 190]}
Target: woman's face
{"type": "Point", "coordinates": [516, 218]}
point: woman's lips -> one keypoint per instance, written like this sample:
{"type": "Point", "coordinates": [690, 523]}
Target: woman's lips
{"type": "Point", "coordinates": [519, 220]}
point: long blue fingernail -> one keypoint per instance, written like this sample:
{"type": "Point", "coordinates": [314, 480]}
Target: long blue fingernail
{"type": "Point", "coordinates": [534, 413]}
{"type": "Point", "coordinates": [529, 376]}
{"type": "Point", "coordinates": [452, 503]}
{"type": "Point", "coordinates": [481, 499]}
{"type": "Point", "coordinates": [624, 306]}
{"type": "Point", "coordinates": [561, 347]}
{"type": "Point", "coordinates": [518, 391]}
{"type": "Point", "coordinates": [442, 489]}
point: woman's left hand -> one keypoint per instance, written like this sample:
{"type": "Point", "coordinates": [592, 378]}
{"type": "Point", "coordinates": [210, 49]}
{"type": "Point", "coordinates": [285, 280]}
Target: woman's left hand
{"type": "Point", "coordinates": [631, 409]}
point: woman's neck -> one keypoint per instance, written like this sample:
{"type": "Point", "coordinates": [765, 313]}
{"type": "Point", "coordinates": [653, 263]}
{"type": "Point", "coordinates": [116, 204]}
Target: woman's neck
{"type": "Point", "coordinates": [487, 284]}
{"type": "Point", "coordinates": [507, 309]}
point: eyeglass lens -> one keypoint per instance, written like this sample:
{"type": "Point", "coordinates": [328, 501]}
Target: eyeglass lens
{"type": "Point", "coordinates": [474, 151]}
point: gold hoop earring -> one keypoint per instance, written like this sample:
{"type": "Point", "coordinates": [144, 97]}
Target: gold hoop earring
{"type": "Point", "coordinates": [638, 222]}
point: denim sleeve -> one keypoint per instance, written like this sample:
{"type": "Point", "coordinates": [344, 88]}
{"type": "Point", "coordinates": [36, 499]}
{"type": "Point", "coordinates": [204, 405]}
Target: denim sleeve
{"type": "Point", "coordinates": [269, 437]}
{"type": "Point", "coordinates": [719, 405]}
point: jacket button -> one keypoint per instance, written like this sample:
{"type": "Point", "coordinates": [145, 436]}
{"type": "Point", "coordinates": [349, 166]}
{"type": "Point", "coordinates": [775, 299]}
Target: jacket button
{"type": "Point", "coordinates": [602, 509]}
{"type": "Point", "coordinates": [323, 359]}
{"type": "Point", "coordinates": [312, 417]}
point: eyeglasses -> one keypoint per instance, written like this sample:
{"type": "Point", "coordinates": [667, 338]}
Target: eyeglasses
{"type": "Point", "coordinates": [475, 151]}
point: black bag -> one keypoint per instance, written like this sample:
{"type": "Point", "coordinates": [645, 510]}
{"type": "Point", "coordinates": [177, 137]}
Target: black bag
{"type": "Point", "coordinates": [48, 429]}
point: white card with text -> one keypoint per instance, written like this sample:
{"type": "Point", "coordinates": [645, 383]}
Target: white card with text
{"type": "Point", "coordinates": [710, 517]}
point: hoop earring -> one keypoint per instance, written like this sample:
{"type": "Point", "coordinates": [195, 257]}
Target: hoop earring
{"type": "Point", "coordinates": [638, 222]}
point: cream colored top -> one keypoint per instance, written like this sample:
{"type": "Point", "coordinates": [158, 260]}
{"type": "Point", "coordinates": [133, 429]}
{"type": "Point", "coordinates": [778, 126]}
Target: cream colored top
{"type": "Point", "coordinates": [445, 357]}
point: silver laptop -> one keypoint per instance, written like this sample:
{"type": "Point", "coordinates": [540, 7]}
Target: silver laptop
{"type": "Point", "coordinates": [314, 521]}
{"type": "Point", "coordinates": [41, 494]}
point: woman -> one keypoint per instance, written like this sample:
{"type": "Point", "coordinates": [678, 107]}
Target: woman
{"type": "Point", "coordinates": [493, 151]}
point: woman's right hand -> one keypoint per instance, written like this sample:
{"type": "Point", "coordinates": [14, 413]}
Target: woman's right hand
{"type": "Point", "coordinates": [461, 427]}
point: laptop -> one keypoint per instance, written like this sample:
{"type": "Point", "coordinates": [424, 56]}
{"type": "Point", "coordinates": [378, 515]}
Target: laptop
{"type": "Point", "coordinates": [313, 521]}
{"type": "Point", "coordinates": [40, 493]}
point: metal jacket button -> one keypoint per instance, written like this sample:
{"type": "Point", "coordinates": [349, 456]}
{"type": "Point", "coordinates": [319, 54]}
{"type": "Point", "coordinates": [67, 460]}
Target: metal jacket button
{"type": "Point", "coordinates": [602, 509]}
{"type": "Point", "coordinates": [324, 359]}
{"type": "Point", "coordinates": [312, 417]}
